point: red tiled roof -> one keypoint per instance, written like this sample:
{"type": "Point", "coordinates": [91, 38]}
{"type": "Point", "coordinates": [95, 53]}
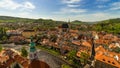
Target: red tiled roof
{"type": "Point", "coordinates": [86, 43]}
{"type": "Point", "coordinates": [107, 57]}
{"type": "Point", "coordinates": [76, 42]}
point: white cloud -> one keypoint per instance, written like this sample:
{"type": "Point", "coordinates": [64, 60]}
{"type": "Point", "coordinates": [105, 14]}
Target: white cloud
{"type": "Point", "coordinates": [102, 0]}
{"type": "Point", "coordinates": [101, 6]}
{"type": "Point", "coordinates": [28, 5]}
{"type": "Point", "coordinates": [22, 14]}
{"type": "Point", "coordinates": [9, 4]}
{"type": "Point", "coordinates": [70, 10]}
{"type": "Point", "coordinates": [91, 17]}
{"type": "Point", "coordinates": [70, 1]}
{"type": "Point", "coordinates": [115, 6]}
{"type": "Point", "coordinates": [12, 5]}
{"type": "Point", "coordinates": [99, 15]}
{"type": "Point", "coordinates": [71, 5]}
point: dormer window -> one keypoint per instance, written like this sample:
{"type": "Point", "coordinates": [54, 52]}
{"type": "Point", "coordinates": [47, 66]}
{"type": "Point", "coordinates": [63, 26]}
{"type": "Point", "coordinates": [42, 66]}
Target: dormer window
{"type": "Point", "coordinates": [108, 61]}
{"type": "Point", "coordinates": [103, 59]}
{"type": "Point", "coordinates": [113, 63]}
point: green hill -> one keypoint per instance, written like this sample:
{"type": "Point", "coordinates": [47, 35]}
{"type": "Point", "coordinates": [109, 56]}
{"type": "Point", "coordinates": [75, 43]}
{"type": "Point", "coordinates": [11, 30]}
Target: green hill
{"type": "Point", "coordinates": [110, 26]}
{"type": "Point", "coordinates": [9, 19]}
{"type": "Point", "coordinates": [77, 22]}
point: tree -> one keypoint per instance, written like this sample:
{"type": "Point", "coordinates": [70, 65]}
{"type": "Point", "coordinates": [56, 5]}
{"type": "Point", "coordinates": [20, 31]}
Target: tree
{"type": "Point", "coordinates": [84, 57]}
{"type": "Point", "coordinates": [66, 66]}
{"type": "Point", "coordinates": [4, 38]}
{"type": "Point", "coordinates": [1, 48]}
{"type": "Point", "coordinates": [53, 38]}
{"type": "Point", "coordinates": [73, 59]}
{"type": "Point", "coordinates": [117, 50]}
{"type": "Point", "coordinates": [72, 54]}
{"type": "Point", "coordinates": [24, 52]}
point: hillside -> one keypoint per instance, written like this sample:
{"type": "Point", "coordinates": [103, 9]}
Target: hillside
{"type": "Point", "coordinates": [9, 19]}
{"type": "Point", "coordinates": [77, 22]}
{"type": "Point", "coordinates": [110, 26]}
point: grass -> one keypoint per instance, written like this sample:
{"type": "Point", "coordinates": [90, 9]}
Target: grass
{"type": "Point", "coordinates": [65, 66]}
{"type": "Point", "coordinates": [51, 51]}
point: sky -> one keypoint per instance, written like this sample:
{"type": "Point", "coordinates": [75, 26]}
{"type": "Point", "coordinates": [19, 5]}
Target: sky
{"type": "Point", "coordinates": [62, 10]}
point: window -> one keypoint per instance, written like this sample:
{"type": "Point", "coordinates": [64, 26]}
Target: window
{"type": "Point", "coordinates": [108, 61]}
{"type": "Point", "coordinates": [103, 59]}
{"type": "Point", "coordinates": [113, 63]}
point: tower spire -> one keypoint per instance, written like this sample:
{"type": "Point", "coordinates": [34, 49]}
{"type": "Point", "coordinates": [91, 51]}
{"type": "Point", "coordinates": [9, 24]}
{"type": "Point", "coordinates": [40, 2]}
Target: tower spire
{"type": "Point", "coordinates": [93, 50]}
{"type": "Point", "coordinates": [69, 23]}
{"type": "Point", "coordinates": [33, 51]}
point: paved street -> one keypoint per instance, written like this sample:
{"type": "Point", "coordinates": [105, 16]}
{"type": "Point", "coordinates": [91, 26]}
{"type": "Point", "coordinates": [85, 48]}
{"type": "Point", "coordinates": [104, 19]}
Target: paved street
{"type": "Point", "coordinates": [52, 61]}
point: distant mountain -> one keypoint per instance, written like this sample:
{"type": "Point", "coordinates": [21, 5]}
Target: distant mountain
{"type": "Point", "coordinates": [79, 22]}
{"type": "Point", "coordinates": [9, 19]}
{"type": "Point", "coordinates": [4, 19]}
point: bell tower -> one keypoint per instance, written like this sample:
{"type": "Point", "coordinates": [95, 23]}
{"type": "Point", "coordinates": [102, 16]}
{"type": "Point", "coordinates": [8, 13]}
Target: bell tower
{"type": "Point", "coordinates": [33, 51]}
{"type": "Point", "coordinates": [92, 49]}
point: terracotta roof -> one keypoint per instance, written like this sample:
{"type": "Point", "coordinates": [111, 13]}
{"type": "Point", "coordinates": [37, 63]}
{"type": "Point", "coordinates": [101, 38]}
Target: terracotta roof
{"type": "Point", "coordinates": [108, 60]}
{"type": "Point", "coordinates": [9, 62]}
{"type": "Point", "coordinates": [86, 43]}
{"type": "Point", "coordinates": [74, 34]}
{"type": "Point", "coordinates": [73, 31]}
{"type": "Point", "coordinates": [14, 57]}
{"type": "Point", "coordinates": [107, 57]}
{"type": "Point", "coordinates": [66, 47]}
{"type": "Point", "coordinates": [77, 42]}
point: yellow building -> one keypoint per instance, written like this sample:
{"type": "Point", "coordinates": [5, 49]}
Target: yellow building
{"type": "Point", "coordinates": [28, 33]}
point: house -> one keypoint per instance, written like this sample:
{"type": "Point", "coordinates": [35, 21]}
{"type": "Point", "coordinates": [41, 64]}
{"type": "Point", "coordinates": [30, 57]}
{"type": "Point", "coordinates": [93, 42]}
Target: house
{"type": "Point", "coordinates": [15, 59]}
{"type": "Point", "coordinates": [76, 42]}
{"type": "Point", "coordinates": [17, 39]}
{"type": "Point", "coordinates": [28, 33]}
{"type": "Point", "coordinates": [13, 33]}
{"type": "Point", "coordinates": [106, 59]}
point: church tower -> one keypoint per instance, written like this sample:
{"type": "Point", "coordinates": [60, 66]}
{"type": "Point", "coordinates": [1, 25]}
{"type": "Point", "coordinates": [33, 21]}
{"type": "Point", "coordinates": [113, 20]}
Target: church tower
{"type": "Point", "coordinates": [33, 51]}
{"type": "Point", "coordinates": [92, 50]}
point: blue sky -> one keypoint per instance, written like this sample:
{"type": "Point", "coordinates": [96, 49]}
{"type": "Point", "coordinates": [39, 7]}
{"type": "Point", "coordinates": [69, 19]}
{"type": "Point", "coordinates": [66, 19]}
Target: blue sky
{"type": "Point", "coordinates": [83, 10]}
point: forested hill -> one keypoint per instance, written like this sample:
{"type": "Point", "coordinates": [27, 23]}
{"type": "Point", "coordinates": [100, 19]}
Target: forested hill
{"type": "Point", "coordinates": [110, 26]}
{"type": "Point", "coordinates": [110, 21]}
{"type": "Point", "coordinates": [9, 19]}
{"type": "Point", "coordinates": [4, 19]}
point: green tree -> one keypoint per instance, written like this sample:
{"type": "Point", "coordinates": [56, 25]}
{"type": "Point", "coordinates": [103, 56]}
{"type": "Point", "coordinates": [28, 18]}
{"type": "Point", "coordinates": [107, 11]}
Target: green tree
{"type": "Point", "coordinates": [117, 50]}
{"type": "Point", "coordinates": [72, 54]}
{"type": "Point", "coordinates": [66, 66]}
{"type": "Point", "coordinates": [53, 38]}
{"type": "Point", "coordinates": [84, 57]}
{"type": "Point", "coordinates": [24, 52]}
{"type": "Point", "coordinates": [4, 38]}
{"type": "Point", "coordinates": [1, 48]}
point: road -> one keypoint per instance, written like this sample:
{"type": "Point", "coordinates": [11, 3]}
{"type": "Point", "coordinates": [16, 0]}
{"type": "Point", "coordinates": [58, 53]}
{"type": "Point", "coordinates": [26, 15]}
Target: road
{"type": "Point", "coordinates": [52, 61]}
